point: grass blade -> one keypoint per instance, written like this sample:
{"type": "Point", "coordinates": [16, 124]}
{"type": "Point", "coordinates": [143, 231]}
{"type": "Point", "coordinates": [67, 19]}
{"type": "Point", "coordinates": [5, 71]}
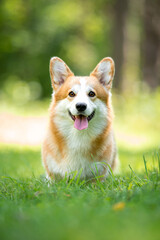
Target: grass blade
{"type": "Point", "coordinates": [145, 164]}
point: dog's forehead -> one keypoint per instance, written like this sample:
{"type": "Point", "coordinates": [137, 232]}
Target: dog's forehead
{"type": "Point", "coordinates": [83, 83]}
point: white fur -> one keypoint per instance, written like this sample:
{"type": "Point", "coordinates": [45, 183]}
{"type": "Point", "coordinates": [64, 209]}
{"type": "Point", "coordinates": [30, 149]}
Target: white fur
{"type": "Point", "coordinates": [76, 164]}
{"type": "Point", "coordinates": [82, 97]}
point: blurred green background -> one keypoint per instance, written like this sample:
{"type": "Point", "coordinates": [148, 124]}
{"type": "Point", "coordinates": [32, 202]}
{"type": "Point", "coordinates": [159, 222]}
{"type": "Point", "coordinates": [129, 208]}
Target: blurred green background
{"type": "Point", "coordinates": [81, 33]}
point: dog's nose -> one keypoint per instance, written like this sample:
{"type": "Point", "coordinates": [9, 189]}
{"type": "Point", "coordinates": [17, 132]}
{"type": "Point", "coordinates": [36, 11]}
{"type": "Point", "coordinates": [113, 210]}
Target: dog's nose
{"type": "Point", "coordinates": [81, 107]}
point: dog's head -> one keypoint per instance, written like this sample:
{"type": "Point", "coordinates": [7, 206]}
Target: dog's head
{"type": "Point", "coordinates": [84, 99]}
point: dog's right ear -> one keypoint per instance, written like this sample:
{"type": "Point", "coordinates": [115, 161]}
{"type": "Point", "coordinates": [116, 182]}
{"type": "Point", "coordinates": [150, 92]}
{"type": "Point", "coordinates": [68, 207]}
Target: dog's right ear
{"type": "Point", "coordinates": [59, 72]}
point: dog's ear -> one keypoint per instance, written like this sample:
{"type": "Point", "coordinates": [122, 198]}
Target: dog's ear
{"type": "Point", "coordinates": [59, 72]}
{"type": "Point", "coordinates": [104, 72]}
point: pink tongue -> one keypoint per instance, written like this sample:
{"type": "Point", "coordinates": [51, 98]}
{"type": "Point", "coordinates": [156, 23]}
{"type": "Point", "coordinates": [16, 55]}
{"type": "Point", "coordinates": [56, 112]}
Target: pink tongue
{"type": "Point", "coordinates": [81, 122]}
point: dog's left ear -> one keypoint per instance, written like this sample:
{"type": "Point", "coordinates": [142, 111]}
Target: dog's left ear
{"type": "Point", "coordinates": [59, 72]}
{"type": "Point", "coordinates": [104, 72]}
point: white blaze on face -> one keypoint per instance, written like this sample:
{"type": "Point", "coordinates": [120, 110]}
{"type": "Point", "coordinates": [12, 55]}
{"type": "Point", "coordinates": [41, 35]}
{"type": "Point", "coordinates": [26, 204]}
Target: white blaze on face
{"type": "Point", "coordinates": [81, 90]}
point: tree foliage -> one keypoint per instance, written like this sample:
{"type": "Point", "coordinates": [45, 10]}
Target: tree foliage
{"type": "Point", "coordinates": [79, 32]}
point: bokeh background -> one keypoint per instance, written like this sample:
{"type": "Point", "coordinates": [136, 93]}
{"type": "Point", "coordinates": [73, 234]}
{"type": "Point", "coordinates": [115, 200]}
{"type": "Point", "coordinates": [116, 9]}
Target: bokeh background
{"type": "Point", "coordinates": [81, 33]}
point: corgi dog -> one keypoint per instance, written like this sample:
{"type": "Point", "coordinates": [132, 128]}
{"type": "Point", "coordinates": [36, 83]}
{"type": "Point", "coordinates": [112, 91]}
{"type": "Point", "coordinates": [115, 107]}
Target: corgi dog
{"type": "Point", "coordinates": [80, 134]}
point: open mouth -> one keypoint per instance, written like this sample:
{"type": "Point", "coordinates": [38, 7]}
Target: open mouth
{"type": "Point", "coordinates": [81, 121]}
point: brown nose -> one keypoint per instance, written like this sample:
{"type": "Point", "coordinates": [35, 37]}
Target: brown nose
{"type": "Point", "coordinates": [81, 107]}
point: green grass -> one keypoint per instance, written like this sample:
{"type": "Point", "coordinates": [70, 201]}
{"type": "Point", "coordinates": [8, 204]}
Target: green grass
{"type": "Point", "coordinates": [29, 209]}
{"type": "Point", "coordinates": [124, 207]}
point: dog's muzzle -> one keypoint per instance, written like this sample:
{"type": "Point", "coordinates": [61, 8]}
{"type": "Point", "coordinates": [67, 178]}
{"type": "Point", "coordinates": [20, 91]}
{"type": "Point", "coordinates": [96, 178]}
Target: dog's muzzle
{"type": "Point", "coordinates": [80, 120]}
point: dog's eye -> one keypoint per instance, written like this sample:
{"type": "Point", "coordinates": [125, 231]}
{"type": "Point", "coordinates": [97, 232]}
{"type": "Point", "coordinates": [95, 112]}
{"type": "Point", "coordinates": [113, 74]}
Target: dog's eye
{"type": "Point", "coordinates": [72, 94]}
{"type": "Point", "coordinates": [91, 94]}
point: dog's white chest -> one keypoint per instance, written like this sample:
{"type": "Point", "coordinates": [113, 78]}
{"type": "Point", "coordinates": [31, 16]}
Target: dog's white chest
{"type": "Point", "coordinates": [78, 158]}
